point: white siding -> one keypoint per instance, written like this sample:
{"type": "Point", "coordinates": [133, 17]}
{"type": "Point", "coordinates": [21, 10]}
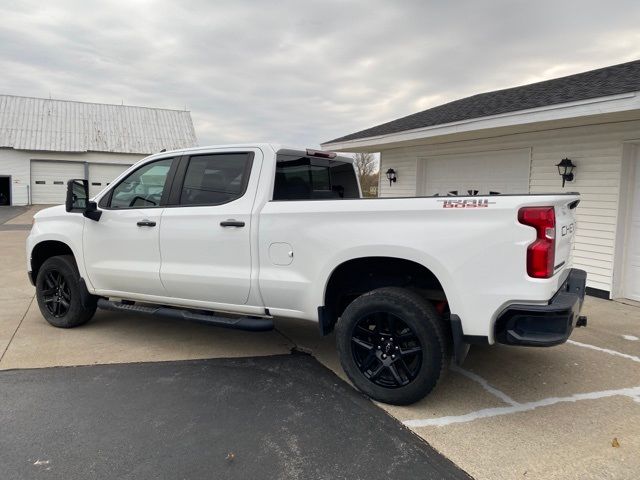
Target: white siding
{"type": "Point", "coordinates": [14, 164]}
{"type": "Point", "coordinates": [405, 163]}
{"type": "Point", "coordinates": [595, 149]}
{"type": "Point", "coordinates": [17, 163]}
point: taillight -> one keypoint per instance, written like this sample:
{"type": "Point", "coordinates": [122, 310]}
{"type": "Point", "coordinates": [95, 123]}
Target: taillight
{"type": "Point", "coordinates": [541, 253]}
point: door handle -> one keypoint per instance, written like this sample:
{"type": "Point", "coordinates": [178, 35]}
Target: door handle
{"type": "Point", "coordinates": [146, 223]}
{"type": "Point", "coordinates": [231, 223]}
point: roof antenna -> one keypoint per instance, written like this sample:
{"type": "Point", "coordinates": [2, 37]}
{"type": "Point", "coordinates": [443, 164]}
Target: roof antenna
{"type": "Point", "coordinates": [163, 150]}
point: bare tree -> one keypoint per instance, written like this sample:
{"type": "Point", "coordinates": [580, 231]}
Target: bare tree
{"type": "Point", "coordinates": [365, 164]}
{"type": "Point", "coordinates": [366, 167]}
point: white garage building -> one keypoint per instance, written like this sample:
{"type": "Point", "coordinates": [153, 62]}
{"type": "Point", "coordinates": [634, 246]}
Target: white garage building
{"type": "Point", "coordinates": [44, 143]}
{"type": "Point", "coordinates": [509, 141]}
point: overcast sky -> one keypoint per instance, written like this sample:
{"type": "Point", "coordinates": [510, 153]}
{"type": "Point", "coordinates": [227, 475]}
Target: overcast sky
{"type": "Point", "coordinates": [301, 72]}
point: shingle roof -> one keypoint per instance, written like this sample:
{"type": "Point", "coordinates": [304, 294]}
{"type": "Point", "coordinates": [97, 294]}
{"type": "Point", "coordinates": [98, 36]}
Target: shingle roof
{"type": "Point", "coordinates": [65, 126]}
{"type": "Point", "coordinates": [602, 82]}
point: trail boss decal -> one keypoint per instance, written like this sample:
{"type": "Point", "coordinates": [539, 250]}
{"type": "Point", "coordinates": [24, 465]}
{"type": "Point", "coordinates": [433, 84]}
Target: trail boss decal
{"type": "Point", "coordinates": [475, 203]}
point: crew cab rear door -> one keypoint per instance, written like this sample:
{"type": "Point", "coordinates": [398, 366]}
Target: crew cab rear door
{"type": "Point", "coordinates": [205, 238]}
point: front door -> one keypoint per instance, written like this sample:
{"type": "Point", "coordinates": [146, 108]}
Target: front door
{"type": "Point", "coordinates": [121, 251]}
{"type": "Point", "coordinates": [205, 237]}
{"type": "Point", "coordinates": [632, 267]}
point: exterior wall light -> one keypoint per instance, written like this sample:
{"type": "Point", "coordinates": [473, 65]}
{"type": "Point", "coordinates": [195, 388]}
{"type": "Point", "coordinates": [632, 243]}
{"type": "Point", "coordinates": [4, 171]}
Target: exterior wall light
{"type": "Point", "coordinates": [565, 169]}
{"type": "Point", "coordinates": [391, 175]}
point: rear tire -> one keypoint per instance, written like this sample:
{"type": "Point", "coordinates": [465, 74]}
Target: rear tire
{"type": "Point", "coordinates": [59, 293]}
{"type": "Point", "coordinates": [392, 345]}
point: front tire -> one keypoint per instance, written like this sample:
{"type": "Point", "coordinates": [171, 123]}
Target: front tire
{"type": "Point", "coordinates": [59, 293]}
{"type": "Point", "coordinates": [392, 345]}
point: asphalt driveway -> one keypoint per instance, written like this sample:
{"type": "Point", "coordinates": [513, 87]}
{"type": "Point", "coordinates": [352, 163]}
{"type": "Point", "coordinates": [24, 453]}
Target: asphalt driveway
{"type": "Point", "coordinates": [277, 417]}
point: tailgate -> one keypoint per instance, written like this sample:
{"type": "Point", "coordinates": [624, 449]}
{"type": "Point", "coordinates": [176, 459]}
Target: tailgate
{"type": "Point", "coordinates": [565, 209]}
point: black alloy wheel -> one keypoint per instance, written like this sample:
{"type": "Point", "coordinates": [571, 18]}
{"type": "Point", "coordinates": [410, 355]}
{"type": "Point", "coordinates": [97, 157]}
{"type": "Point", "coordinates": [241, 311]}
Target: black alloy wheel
{"type": "Point", "coordinates": [57, 294]}
{"type": "Point", "coordinates": [393, 345]}
{"type": "Point", "coordinates": [386, 350]}
{"type": "Point", "coordinates": [62, 295]}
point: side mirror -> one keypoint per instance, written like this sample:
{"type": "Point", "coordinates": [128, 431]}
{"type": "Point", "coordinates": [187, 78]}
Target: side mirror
{"type": "Point", "coordinates": [92, 211]}
{"type": "Point", "coordinates": [77, 195]}
{"type": "Point", "coordinates": [78, 199]}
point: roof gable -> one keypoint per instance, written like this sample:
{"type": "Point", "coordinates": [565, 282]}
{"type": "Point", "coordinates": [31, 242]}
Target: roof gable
{"type": "Point", "coordinates": [603, 82]}
{"type": "Point", "coordinates": [65, 126]}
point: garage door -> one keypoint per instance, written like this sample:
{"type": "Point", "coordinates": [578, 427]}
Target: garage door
{"type": "Point", "coordinates": [502, 171]}
{"type": "Point", "coordinates": [101, 175]}
{"type": "Point", "coordinates": [49, 180]}
{"type": "Point", "coordinates": [632, 267]}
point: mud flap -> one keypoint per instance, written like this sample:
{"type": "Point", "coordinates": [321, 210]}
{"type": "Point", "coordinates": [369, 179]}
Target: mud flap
{"type": "Point", "coordinates": [460, 347]}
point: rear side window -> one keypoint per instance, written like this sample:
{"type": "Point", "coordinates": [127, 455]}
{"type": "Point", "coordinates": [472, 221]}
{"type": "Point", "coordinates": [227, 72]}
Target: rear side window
{"type": "Point", "coordinates": [306, 178]}
{"type": "Point", "coordinates": [216, 179]}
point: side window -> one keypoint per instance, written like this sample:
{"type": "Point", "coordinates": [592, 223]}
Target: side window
{"type": "Point", "coordinates": [143, 187]}
{"type": "Point", "coordinates": [301, 178]}
{"type": "Point", "coordinates": [293, 180]}
{"type": "Point", "coordinates": [216, 179]}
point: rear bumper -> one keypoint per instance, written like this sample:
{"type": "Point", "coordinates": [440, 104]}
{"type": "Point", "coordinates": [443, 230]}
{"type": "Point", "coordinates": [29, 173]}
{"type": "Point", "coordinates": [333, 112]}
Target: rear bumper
{"type": "Point", "coordinates": [544, 325]}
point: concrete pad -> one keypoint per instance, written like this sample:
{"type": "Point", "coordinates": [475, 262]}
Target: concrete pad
{"type": "Point", "coordinates": [111, 337]}
{"type": "Point", "coordinates": [9, 212]}
{"type": "Point", "coordinates": [307, 338]}
{"type": "Point", "coordinates": [12, 312]}
{"type": "Point", "coordinates": [26, 217]}
{"type": "Point", "coordinates": [608, 322]}
{"type": "Point", "coordinates": [455, 395]}
{"type": "Point", "coordinates": [563, 441]}
{"type": "Point", "coordinates": [529, 374]}
{"type": "Point", "coordinates": [14, 282]}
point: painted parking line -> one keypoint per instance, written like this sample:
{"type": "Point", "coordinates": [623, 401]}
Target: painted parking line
{"type": "Point", "coordinates": [633, 393]}
{"type": "Point", "coordinates": [516, 407]}
{"type": "Point", "coordinates": [485, 384]}
{"type": "Point", "coordinates": [633, 358]}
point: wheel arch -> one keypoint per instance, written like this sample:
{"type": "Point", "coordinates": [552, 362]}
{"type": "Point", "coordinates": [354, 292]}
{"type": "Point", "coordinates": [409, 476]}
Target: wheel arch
{"type": "Point", "coordinates": [46, 249]}
{"type": "Point", "coordinates": [355, 276]}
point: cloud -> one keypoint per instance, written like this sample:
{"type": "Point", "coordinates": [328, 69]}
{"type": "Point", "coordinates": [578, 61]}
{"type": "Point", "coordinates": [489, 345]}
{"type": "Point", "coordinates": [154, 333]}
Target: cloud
{"type": "Point", "coordinates": [301, 72]}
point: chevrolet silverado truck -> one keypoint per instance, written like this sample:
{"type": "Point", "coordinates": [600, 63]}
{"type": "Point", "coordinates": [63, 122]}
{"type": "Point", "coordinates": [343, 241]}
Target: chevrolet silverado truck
{"type": "Point", "coordinates": [238, 235]}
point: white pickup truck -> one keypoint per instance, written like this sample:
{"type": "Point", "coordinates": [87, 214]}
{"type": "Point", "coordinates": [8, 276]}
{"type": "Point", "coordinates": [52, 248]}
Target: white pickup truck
{"type": "Point", "coordinates": [238, 235]}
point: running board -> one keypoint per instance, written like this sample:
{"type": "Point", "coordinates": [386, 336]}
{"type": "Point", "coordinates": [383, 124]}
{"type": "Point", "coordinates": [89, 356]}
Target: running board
{"type": "Point", "coordinates": [253, 324]}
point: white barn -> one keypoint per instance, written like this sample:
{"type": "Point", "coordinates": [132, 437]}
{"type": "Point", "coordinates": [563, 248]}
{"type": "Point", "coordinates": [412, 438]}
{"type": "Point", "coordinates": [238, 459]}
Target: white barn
{"type": "Point", "coordinates": [509, 141]}
{"type": "Point", "coordinates": [44, 143]}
